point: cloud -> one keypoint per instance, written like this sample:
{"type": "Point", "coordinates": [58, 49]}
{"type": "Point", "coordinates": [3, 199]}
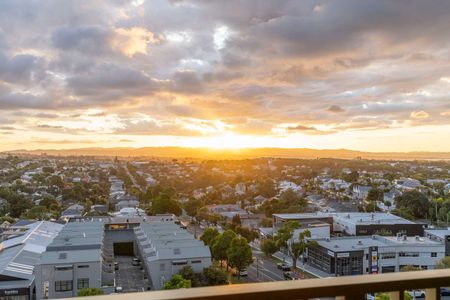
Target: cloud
{"type": "Point", "coordinates": [335, 109]}
{"type": "Point", "coordinates": [419, 114]}
{"type": "Point", "coordinates": [196, 68]}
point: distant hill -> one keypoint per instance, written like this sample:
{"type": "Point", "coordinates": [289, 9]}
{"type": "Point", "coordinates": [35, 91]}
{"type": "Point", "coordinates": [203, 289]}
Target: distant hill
{"type": "Point", "coordinates": [180, 152]}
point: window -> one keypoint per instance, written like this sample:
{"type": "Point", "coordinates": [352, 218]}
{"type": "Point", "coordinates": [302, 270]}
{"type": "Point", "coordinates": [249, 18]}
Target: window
{"type": "Point", "coordinates": [179, 263]}
{"type": "Point", "coordinates": [196, 261]}
{"type": "Point", "coordinates": [388, 255]}
{"type": "Point", "coordinates": [433, 254]}
{"type": "Point", "coordinates": [408, 254]}
{"type": "Point", "coordinates": [63, 286]}
{"type": "Point", "coordinates": [83, 267]}
{"type": "Point", "coordinates": [63, 268]}
{"type": "Point", "coordinates": [83, 283]}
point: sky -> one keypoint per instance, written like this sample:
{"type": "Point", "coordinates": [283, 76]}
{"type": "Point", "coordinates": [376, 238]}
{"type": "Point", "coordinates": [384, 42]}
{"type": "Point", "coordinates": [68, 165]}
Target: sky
{"type": "Point", "coordinates": [369, 75]}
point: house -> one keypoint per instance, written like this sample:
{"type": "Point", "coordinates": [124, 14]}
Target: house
{"type": "Point", "coordinates": [73, 211]}
{"type": "Point", "coordinates": [98, 208]}
{"type": "Point", "coordinates": [360, 191]}
{"type": "Point", "coordinates": [240, 188]}
{"type": "Point", "coordinates": [407, 184]}
{"type": "Point", "coordinates": [126, 204]}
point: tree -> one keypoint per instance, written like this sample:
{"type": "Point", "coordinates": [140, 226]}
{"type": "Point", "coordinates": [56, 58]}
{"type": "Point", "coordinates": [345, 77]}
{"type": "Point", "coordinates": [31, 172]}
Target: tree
{"type": "Point", "coordinates": [239, 254]}
{"type": "Point", "coordinates": [188, 273]}
{"type": "Point", "coordinates": [222, 244]}
{"type": "Point", "coordinates": [295, 247]}
{"type": "Point", "coordinates": [214, 276]}
{"type": "Point", "coordinates": [165, 203]}
{"type": "Point", "coordinates": [351, 177]}
{"type": "Point", "coordinates": [236, 220]}
{"type": "Point", "coordinates": [444, 263]}
{"type": "Point", "coordinates": [374, 194]}
{"type": "Point", "coordinates": [192, 206]}
{"type": "Point", "coordinates": [409, 268]}
{"type": "Point", "coordinates": [89, 292]}
{"type": "Point", "coordinates": [269, 247]}
{"type": "Point", "coordinates": [209, 236]}
{"type": "Point", "coordinates": [37, 213]}
{"type": "Point", "coordinates": [177, 282]}
{"type": "Point", "coordinates": [415, 202]}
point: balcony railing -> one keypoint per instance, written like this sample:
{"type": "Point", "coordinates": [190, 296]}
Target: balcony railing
{"type": "Point", "coordinates": [349, 287]}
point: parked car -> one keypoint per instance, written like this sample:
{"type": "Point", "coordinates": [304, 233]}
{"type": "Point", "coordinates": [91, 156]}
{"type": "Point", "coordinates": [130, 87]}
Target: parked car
{"type": "Point", "coordinates": [415, 294]}
{"type": "Point", "coordinates": [119, 289]}
{"type": "Point", "coordinates": [290, 276]}
{"type": "Point", "coordinates": [116, 266]}
{"type": "Point", "coordinates": [283, 266]}
{"type": "Point", "coordinates": [135, 262]}
{"type": "Point", "coordinates": [242, 273]}
{"type": "Point", "coordinates": [445, 291]}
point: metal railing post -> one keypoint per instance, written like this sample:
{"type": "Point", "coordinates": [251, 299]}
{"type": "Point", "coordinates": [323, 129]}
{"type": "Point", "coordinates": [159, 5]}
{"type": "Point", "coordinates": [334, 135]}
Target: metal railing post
{"type": "Point", "coordinates": [433, 294]}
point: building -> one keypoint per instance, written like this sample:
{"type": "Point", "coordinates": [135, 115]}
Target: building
{"type": "Point", "coordinates": [374, 254]}
{"type": "Point", "coordinates": [360, 192]}
{"type": "Point", "coordinates": [127, 204]}
{"type": "Point", "coordinates": [375, 223]}
{"type": "Point", "coordinates": [165, 248]}
{"type": "Point", "coordinates": [20, 252]}
{"type": "Point", "coordinates": [73, 261]}
{"type": "Point", "coordinates": [354, 223]}
{"type": "Point", "coordinates": [73, 211]}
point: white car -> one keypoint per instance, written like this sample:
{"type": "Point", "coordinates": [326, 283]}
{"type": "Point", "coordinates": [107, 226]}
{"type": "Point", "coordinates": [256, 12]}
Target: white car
{"type": "Point", "coordinates": [416, 294]}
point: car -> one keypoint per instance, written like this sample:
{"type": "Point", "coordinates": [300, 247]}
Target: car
{"type": "Point", "coordinates": [283, 266]}
{"type": "Point", "coordinates": [445, 291]}
{"type": "Point", "coordinates": [135, 262]}
{"type": "Point", "coordinates": [116, 266]}
{"type": "Point", "coordinates": [119, 289]}
{"type": "Point", "coordinates": [290, 276]}
{"type": "Point", "coordinates": [416, 294]}
{"type": "Point", "coordinates": [242, 273]}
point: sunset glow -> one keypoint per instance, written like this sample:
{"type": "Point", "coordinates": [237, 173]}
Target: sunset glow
{"type": "Point", "coordinates": [206, 74]}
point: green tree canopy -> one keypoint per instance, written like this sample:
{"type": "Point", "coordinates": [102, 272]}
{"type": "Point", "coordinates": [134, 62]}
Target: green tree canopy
{"type": "Point", "coordinates": [415, 202]}
{"type": "Point", "coordinates": [89, 292]}
{"type": "Point", "coordinates": [177, 282]}
{"type": "Point", "coordinates": [239, 254]}
{"type": "Point", "coordinates": [269, 247]}
{"type": "Point", "coordinates": [222, 244]}
{"type": "Point", "coordinates": [214, 276]}
{"type": "Point", "coordinates": [209, 236]}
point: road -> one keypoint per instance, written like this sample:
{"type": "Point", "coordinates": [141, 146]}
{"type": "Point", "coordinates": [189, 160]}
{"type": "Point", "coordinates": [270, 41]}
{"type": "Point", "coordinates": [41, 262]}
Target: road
{"type": "Point", "coordinates": [133, 180]}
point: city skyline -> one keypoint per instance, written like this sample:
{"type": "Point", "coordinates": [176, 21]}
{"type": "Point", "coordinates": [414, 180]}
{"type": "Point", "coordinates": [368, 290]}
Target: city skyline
{"type": "Point", "coordinates": [369, 76]}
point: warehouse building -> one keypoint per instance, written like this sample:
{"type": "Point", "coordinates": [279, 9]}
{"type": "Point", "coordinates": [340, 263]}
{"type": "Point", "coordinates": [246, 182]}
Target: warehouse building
{"type": "Point", "coordinates": [73, 261]}
{"type": "Point", "coordinates": [164, 248]}
{"type": "Point", "coordinates": [20, 252]}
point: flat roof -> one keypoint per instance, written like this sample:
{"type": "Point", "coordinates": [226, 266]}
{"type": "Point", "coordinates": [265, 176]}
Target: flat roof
{"type": "Point", "coordinates": [440, 233]}
{"type": "Point", "coordinates": [353, 217]}
{"type": "Point", "coordinates": [355, 243]}
{"type": "Point", "coordinates": [371, 218]}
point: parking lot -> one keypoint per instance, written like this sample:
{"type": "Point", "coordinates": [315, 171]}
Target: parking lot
{"type": "Point", "coordinates": [129, 277]}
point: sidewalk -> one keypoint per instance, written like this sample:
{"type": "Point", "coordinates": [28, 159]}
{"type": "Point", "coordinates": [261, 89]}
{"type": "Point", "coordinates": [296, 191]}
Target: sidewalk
{"type": "Point", "coordinates": [305, 268]}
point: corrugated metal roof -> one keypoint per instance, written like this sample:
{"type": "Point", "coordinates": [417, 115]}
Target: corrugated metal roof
{"type": "Point", "coordinates": [20, 254]}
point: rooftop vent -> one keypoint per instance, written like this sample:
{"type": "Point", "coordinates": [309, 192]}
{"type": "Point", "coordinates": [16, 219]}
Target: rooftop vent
{"type": "Point", "coordinates": [336, 246]}
{"type": "Point", "coordinates": [63, 255]}
{"type": "Point", "coordinates": [360, 242]}
{"type": "Point", "coordinates": [176, 251]}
